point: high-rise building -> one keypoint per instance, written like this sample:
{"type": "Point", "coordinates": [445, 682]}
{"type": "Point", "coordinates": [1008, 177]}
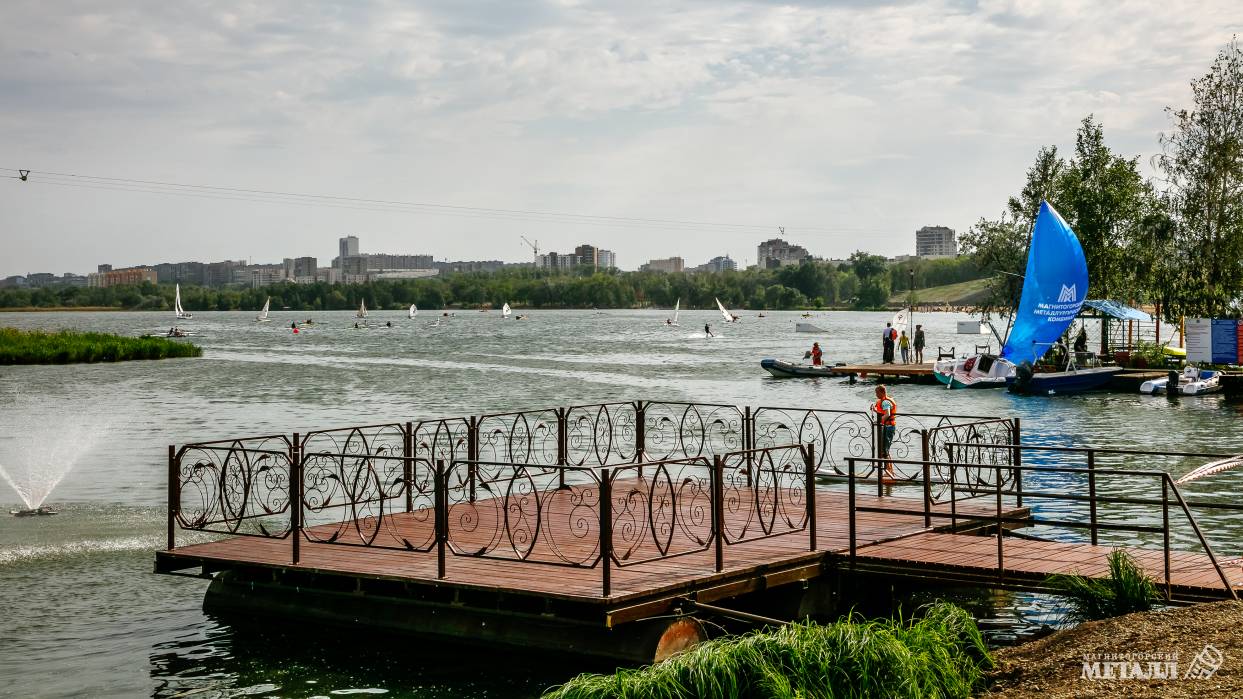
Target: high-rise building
{"type": "Point", "coordinates": [587, 255]}
{"type": "Point", "coordinates": [935, 241]}
{"type": "Point", "coordinates": [778, 253]}
{"type": "Point", "coordinates": [670, 265]}
{"type": "Point", "coordinates": [721, 263]}
{"type": "Point", "coordinates": [348, 247]}
{"type": "Point", "coordinates": [606, 259]}
{"type": "Point", "coordinates": [122, 277]}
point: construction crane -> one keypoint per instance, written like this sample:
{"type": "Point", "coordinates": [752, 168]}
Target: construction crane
{"type": "Point", "coordinates": [534, 246]}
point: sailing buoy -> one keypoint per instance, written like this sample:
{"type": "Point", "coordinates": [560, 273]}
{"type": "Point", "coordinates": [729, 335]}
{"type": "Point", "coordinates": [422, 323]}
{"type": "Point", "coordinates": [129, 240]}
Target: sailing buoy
{"type": "Point", "coordinates": [295, 331]}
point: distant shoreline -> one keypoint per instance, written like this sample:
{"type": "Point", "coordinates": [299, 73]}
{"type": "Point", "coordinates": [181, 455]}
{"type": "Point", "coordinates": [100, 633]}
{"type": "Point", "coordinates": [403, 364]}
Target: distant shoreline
{"type": "Point", "coordinates": [61, 309]}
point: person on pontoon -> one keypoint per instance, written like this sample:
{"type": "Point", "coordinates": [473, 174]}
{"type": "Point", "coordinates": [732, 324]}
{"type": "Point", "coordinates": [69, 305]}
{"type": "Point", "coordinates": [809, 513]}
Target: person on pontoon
{"type": "Point", "coordinates": [817, 354]}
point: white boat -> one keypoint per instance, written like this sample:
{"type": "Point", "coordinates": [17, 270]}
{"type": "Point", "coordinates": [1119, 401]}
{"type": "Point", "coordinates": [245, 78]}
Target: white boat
{"type": "Point", "coordinates": [1193, 381]}
{"type": "Point", "coordinates": [978, 371]}
{"type": "Point", "coordinates": [674, 321]}
{"type": "Point", "coordinates": [263, 314]}
{"type": "Point", "coordinates": [808, 328]}
{"type": "Point", "coordinates": [177, 309]}
{"type": "Point", "coordinates": [362, 310]}
{"type": "Point", "coordinates": [505, 311]}
{"type": "Point", "coordinates": [729, 317]}
{"type": "Point", "coordinates": [413, 312]}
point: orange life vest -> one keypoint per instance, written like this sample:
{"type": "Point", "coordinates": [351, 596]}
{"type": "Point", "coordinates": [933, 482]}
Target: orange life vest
{"type": "Point", "coordinates": [889, 418]}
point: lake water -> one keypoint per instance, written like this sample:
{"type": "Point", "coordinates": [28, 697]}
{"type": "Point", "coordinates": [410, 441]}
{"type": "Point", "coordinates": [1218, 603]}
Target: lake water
{"type": "Point", "coordinates": [84, 615]}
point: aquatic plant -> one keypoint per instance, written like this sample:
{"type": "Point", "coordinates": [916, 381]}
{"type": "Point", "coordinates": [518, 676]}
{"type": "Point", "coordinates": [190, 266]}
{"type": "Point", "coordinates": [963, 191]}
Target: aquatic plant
{"type": "Point", "coordinates": [940, 654]}
{"type": "Point", "coordinates": [1127, 589]}
{"type": "Point", "coordinates": [72, 347]}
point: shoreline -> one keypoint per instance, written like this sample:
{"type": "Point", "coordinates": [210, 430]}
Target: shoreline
{"type": "Point", "coordinates": [1074, 662]}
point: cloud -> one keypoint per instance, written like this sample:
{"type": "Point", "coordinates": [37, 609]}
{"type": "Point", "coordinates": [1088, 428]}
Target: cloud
{"type": "Point", "coordinates": [837, 117]}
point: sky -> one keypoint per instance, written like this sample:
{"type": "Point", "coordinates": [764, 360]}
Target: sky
{"type": "Point", "coordinates": [851, 123]}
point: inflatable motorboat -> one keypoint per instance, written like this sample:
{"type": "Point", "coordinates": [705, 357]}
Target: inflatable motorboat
{"type": "Point", "coordinates": [786, 370]}
{"type": "Point", "coordinates": [1192, 381]}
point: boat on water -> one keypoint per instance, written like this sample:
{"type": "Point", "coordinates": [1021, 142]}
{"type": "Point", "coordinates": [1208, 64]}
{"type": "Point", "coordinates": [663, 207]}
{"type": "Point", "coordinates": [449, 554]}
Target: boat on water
{"type": "Point", "coordinates": [1051, 383]}
{"type": "Point", "coordinates": [40, 511]}
{"type": "Point", "coordinates": [263, 313]}
{"type": "Point", "coordinates": [505, 311]}
{"type": "Point", "coordinates": [361, 314]}
{"type": "Point", "coordinates": [413, 312]}
{"type": "Point", "coordinates": [1055, 286]}
{"type": "Point", "coordinates": [786, 370]}
{"type": "Point", "coordinates": [808, 328]}
{"type": "Point", "coordinates": [729, 317]}
{"type": "Point", "coordinates": [177, 309]}
{"type": "Point", "coordinates": [673, 322]}
{"type": "Point", "coordinates": [1192, 381]}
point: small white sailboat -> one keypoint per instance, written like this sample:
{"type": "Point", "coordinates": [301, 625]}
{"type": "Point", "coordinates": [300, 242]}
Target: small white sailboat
{"type": "Point", "coordinates": [413, 312]}
{"type": "Point", "coordinates": [362, 310]}
{"type": "Point", "coordinates": [263, 314]}
{"type": "Point", "coordinates": [673, 322]}
{"type": "Point", "coordinates": [729, 317]}
{"type": "Point", "coordinates": [505, 311]}
{"type": "Point", "coordinates": [181, 312]}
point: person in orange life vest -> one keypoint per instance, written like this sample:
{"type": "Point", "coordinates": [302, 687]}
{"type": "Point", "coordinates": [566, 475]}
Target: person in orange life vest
{"type": "Point", "coordinates": [816, 354]}
{"type": "Point", "coordinates": [887, 415]}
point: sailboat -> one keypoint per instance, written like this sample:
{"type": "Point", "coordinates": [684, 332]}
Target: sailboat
{"type": "Point", "coordinates": [505, 311]}
{"type": "Point", "coordinates": [1054, 288]}
{"type": "Point", "coordinates": [263, 314]}
{"type": "Point", "coordinates": [181, 312]}
{"type": "Point", "coordinates": [729, 317]}
{"type": "Point", "coordinates": [413, 312]}
{"type": "Point", "coordinates": [901, 320]}
{"type": "Point", "coordinates": [673, 322]}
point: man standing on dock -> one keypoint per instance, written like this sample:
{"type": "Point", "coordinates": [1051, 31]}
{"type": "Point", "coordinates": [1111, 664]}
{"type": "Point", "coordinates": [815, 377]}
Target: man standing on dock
{"type": "Point", "coordinates": [887, 418]}
{"type": "Point", "coordinates": [919, 344]}
{"type": "Point", "coordinates": [887, 341]}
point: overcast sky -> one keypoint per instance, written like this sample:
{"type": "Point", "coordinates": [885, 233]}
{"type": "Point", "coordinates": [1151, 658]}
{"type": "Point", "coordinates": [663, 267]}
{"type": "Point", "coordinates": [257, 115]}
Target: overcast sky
{"type": "Point", "coordinates": [850, 123]}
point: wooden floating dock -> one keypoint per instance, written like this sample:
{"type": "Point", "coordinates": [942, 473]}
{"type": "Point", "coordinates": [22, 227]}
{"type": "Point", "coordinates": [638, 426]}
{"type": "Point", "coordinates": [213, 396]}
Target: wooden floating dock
{"type": "Point", "coordinates": [914, 373]}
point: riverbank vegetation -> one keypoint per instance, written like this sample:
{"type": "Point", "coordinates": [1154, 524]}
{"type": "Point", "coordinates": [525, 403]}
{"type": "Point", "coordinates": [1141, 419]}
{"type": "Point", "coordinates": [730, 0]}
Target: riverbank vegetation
{"type": "Point", "coordinates": [865, 281]}
{"type": "Point", "coordinates": [1127, 589]}
{"type": "Point", "coordinates": [71, 347]}
{"type": "Point", "coordinates": [940, 654]}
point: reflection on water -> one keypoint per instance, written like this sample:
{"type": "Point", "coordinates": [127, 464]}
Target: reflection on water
{"type": "Point", "coordinates": [84, 614]}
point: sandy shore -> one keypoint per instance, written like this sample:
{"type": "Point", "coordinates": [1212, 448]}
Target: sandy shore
{"type": "Point", "coordinates": [1054, 666]}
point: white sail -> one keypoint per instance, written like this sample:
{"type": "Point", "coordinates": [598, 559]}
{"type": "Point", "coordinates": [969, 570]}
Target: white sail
{"type": "Point", "coordinates": [901, 319]}
{"type": "Point", "coordinates": [177, 309]}
{"type": "Point", "coordinates": [676, 307]}
{"type": "Point", "coordinates": [263, 314]}
{"type": "Point", "coordinates": [362, 310]}
{"type": "Point", "coordinates": [505, 311]}
{"type": "Point", "coordinates": [414, 311]}
{"type": "Point", "coordinates": [729, 318]}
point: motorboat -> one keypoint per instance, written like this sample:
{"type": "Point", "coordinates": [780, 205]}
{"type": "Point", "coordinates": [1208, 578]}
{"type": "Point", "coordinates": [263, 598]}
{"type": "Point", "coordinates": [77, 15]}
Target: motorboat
{"type": "Point", "coordinates": [977, 371]}
{"type": "Point", "coordinates": [786, 370]}
{"type": "Point", "coordinates": [1072, 380]}
{"type": "Point", "coordinates": [1191, 381]}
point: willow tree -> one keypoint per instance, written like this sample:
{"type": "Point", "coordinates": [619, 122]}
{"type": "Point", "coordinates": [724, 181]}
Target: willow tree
{"type": "Point", "coordinates": [1202, 165]}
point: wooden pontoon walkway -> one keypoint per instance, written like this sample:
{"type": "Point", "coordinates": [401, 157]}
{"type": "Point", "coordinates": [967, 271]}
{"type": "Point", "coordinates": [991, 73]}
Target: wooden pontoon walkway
{"type": "Point", "coordinates": [887, 542]}
{"type": "Point", "coordinates": [918, 373]}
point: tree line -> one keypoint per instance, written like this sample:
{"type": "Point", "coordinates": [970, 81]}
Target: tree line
{"type": "Point", "coordinates": [866, 281]}
{"type": "Point", "coordinates": [1174, 240]}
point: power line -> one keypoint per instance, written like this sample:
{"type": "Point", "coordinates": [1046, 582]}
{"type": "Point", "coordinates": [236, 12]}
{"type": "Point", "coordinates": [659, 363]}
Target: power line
{"type": "Point", "coordinates": [147, 186]}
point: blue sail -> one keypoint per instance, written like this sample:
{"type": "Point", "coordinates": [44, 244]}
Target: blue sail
{"type": "Point", "coordinates": [1054, 288]}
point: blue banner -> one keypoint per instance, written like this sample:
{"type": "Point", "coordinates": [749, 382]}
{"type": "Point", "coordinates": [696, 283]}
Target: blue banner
{"type": "Point", "coordinates": [1054, 288]}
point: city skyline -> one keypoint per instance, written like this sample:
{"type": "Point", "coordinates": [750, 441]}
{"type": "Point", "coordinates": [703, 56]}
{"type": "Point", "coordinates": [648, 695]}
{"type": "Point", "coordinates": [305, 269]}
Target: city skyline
{"type": "Point", "coordinates": [746, 116]}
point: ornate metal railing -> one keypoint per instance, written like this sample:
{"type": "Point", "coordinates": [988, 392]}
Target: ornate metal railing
{"type": "Point", "coordinates": [240, 487]}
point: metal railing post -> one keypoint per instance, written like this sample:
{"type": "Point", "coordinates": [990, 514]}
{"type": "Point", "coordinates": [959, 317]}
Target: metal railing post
{"type": "Point", "coordinates": [472, 453]}
{"type": "Point", "coordinates": [1017, 463]}
{"type": "Point", "coordinates": [174, 496]}
{"type": "Point", "coordinates": [441, 508]}
{"type": "Point", "coordinates": [809, 464]}
{"type": "Point", "coordinates": [563, 444]}
{"type": "Point", "coordinates": [884, 454]}
{"type": "Point", "coordinates": [927, 476]}
{"type": "Point", "coordinates": [295, 498]}
{"type": "Point", "coordinates": [1221, 574]}
{"type": "Point", "coordinates": [1001, 558]}
{"type": "Point", "coordinates": [640, 433]}
{"type": "Point", "coordinates": [1165, 531]}
{"type": "Point", "coordinates": [747, 441]}
{"type": "Point", "coordinates": [953, 496]}
{"type": "Point", "coordinates": [606, 532]}
{"type": "Point", "coordinates": [407, 465]}
{"type": "Point", "coordinates": [1092, 495]}
{"type": "Point", "coordinates": [718, 510]}
{"type": "Point", "coordinates": [850, 508]}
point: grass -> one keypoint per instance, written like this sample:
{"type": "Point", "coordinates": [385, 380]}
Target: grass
{"type": "Point", "coordinates": [960, 294]}
{"type": "Point", "coordinates": [940, 654]}
{"type": "Point", "coordinates": [1127, 589]}
{"type": "Point", "coordinates": [72, 347]}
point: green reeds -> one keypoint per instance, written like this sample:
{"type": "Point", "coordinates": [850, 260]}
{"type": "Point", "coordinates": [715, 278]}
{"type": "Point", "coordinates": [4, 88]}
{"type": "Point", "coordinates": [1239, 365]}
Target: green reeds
{"type": "Point", "coordinates": [938, 655]}
{"type": "Point", "coordinates": [1127, 589]}
{"type": "Point", "coordinates": [72, 347]}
